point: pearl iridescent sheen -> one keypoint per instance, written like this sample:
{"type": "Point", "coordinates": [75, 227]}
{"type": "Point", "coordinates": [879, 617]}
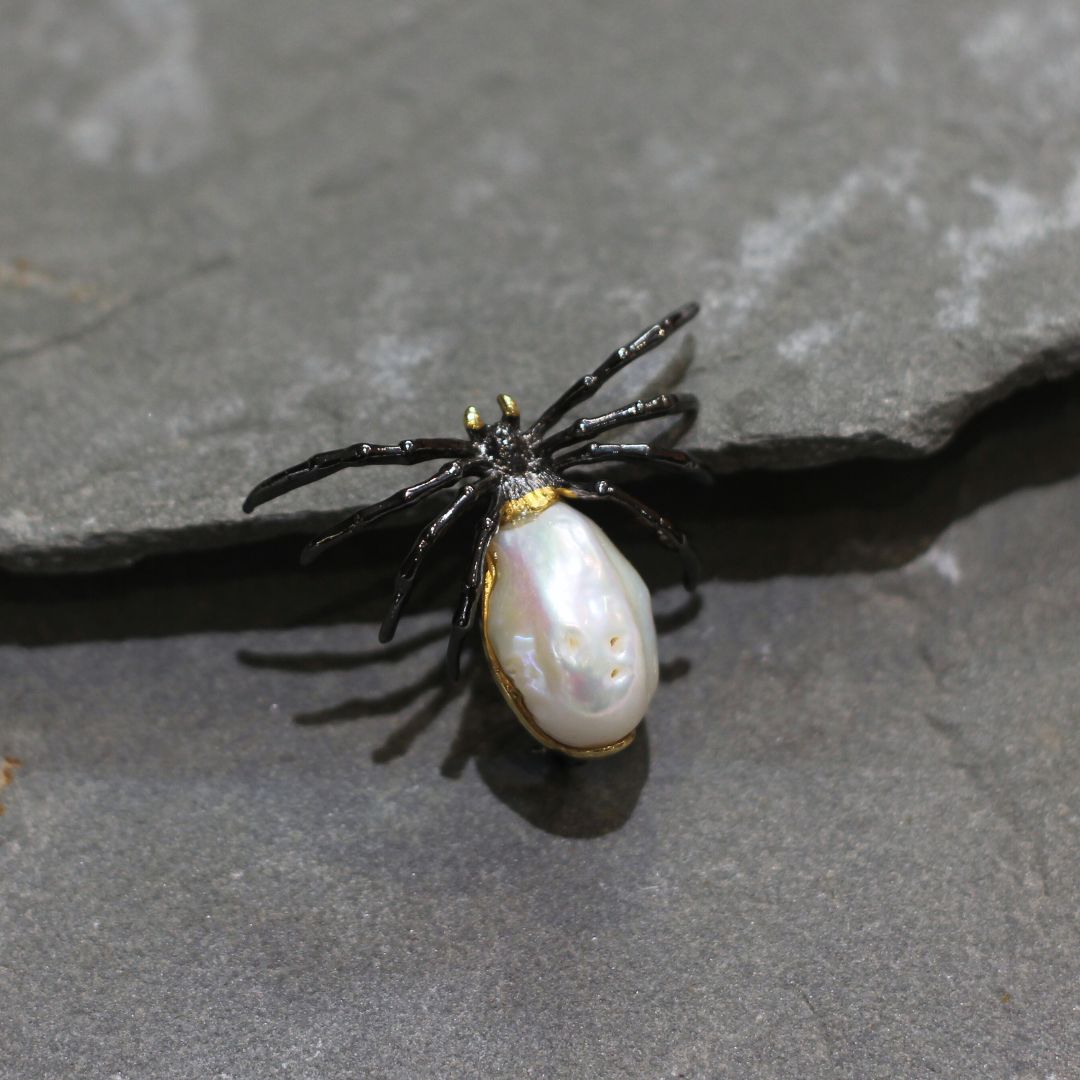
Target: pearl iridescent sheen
{"type": "Point", "coordinates": [569, 630]}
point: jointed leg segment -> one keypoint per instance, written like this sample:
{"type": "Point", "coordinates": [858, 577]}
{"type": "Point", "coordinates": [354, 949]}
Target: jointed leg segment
{"type": "Point", "coordinates": [665, 532]}
{"type": "Point", "coordinates": [465, 616]}
{"type": "Point", "coordinates": [406, 452]}
{"type": "Point", "coordinates": [587, 385]}
{"type": "Point", "coordinates": [446, 477]}
{"type": "Point", "coordinates": [423, 544]}
{"type": "Point", "coordinates": [589, 426]}
{"type": "Point", "coordinates": [599, 453]}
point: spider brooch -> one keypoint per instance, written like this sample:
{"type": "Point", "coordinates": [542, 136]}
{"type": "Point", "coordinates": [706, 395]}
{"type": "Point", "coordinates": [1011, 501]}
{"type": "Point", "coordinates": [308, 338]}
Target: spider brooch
{"type": "Point", "coordinates": [566, 620]}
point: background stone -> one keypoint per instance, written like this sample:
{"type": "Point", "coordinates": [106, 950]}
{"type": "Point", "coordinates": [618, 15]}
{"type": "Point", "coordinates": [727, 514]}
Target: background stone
{"type": "Point", "coordinates": [240, 839]}
{"type": "Point", "coordinates": [246, 841]}
{"type": "Point", "coordinates": [235, 234]}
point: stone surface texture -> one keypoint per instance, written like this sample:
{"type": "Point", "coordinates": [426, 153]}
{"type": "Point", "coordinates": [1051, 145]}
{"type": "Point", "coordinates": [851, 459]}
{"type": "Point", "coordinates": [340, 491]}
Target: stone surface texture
{"type": "Point", "coordinates": [241, 840]}
{"type": "Point", "coordinates": [235, 234]}
{"type": "Point", "coordinates": [245, 841]}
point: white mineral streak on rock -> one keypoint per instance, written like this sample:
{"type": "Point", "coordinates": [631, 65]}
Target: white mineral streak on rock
{"type": "Point", "coordinates": [152, 107]}
{"type": "Point", "coordinates": [1021, 221]}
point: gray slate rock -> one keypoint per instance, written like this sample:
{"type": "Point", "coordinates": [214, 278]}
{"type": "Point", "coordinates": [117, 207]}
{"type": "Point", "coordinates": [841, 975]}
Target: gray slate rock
{"type": "Point", "coordinates": [246, 841]}
{"type": "Point", "coordinates": [234, 235]}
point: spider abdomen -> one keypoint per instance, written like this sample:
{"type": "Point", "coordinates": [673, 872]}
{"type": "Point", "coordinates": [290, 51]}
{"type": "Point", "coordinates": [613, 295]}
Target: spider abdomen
{"type": "Point", "coordinates": [568, 629]}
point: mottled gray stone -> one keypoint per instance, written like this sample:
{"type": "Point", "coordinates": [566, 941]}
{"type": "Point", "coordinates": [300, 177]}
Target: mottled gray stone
{"type": "Point", "coordinates": [247, 842]}
{"type": "Point", "coordinates": [234, 234]}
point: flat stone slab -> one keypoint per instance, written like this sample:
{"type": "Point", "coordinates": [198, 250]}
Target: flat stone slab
{"type": "Point", "coordinates": [247, 841]}
{"type": "Point", "coordinates": [232, 236]}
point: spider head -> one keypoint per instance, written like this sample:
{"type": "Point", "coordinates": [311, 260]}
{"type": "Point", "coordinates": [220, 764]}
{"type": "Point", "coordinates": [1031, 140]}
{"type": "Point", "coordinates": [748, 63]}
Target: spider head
{"type": "Point", "coordinates": [502, 442]}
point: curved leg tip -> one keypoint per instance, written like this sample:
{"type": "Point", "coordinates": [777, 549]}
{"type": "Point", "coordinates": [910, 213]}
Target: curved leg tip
{"type": "Point", "coordinates": [453, 651]}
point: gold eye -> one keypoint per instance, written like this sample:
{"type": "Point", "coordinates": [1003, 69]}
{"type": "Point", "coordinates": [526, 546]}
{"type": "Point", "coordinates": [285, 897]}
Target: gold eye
{"type": "Point", "coordinates": [508, 405]}
{"type": "Point", "coordinates": [472, 419]}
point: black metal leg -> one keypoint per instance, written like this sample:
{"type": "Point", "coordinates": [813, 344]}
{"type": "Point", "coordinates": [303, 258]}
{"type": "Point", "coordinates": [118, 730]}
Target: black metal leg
{"type": "Point", "coordinates": [430, 534]}
{"type": "Point", "coordinates": [465, 616]}
{"type": "Point", "coordinates": [666, 533]}
{"type": "Point", "coordinates": [587, 385]}
{"type": "Point", "coordinates": [588, 426]}
{"type": "Point", "coordinates": [406, 452]}
{"type": "Point", "coordinates": [446, 477]}
{"type": "Point", "coordinates": [598, 453]}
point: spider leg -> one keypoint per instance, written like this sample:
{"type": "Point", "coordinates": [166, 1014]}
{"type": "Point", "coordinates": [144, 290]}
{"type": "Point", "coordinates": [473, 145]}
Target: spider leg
{"type": "Point", "coordinates": [465, 616]}
{"type": "Point", "coordinates": [448, 475]}
{"type": "Point", "coordinates": [587, 385]}
{"type": "Point", "coordinates": [406, 452]}
{"type": "Point", "coordinates": [597, 453]}
{"type": "Point", "coordinates": [666, 533]}
{"type": "Point", "coordinates": [588, 426]}
{"type": "Point", "coordinates": [406, 576]}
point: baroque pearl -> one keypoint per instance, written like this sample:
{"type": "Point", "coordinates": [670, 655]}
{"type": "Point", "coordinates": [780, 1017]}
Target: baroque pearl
{"type": "Point", "coordinates": [569, 631]}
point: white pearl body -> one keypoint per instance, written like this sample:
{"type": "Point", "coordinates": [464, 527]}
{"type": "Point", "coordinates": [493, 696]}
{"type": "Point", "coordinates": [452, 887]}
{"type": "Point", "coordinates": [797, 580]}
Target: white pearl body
{"type": "Point", "coordinates": [569, 622]}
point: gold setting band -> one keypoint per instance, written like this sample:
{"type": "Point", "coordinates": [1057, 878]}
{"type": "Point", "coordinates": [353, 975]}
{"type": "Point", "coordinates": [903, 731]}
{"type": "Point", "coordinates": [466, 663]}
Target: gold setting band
{"type": "Point", "coordinates": [533, 502]}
